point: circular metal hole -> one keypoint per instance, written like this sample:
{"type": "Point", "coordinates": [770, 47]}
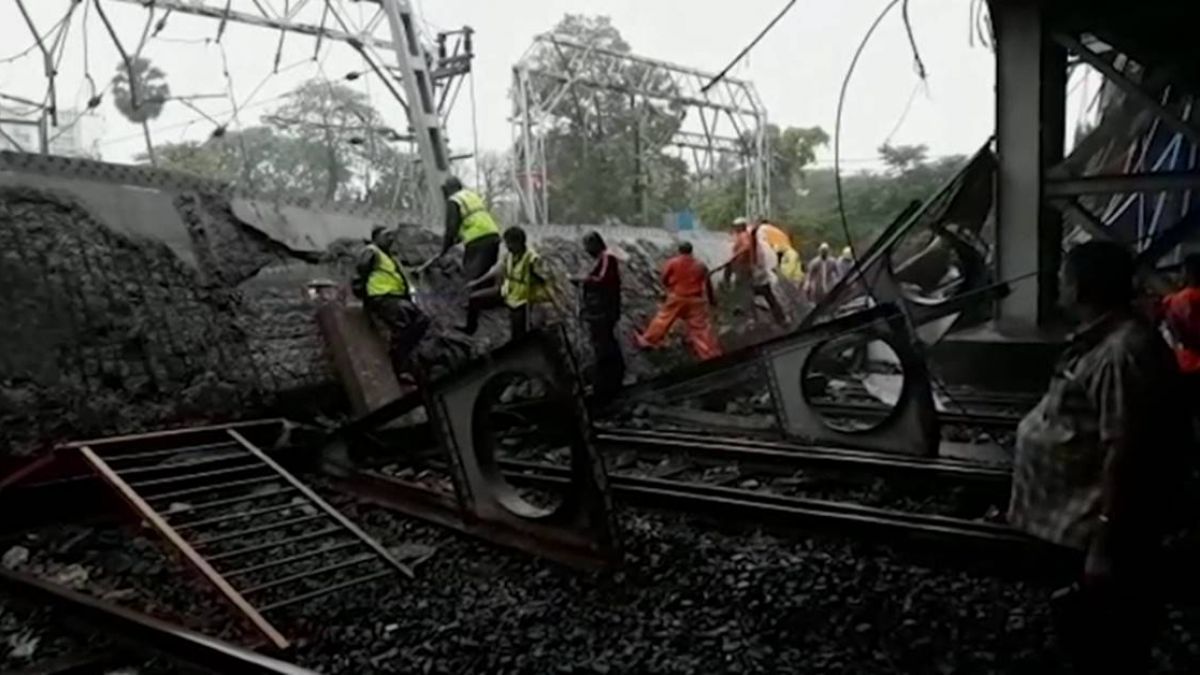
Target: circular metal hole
{"type": "Point", "coordinates": [855, 382]}
{"type": "Point", "coordinates": [521, 418]}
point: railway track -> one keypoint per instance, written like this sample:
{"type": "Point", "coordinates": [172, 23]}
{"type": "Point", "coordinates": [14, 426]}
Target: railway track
{"type": "Point", "coordinates": [969, 418]}
{"type": "Point", "coordinates": [718, 498]}
{"type": "Point", "coordinates": [762, 507]}
{"type": "Point", "coordinates": [778, 456]}
{"type": "Point", "coordinates": [135, 637]}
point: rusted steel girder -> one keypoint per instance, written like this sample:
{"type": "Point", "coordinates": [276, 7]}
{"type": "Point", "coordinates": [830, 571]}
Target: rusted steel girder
{"type": "Point", "coordinates": [579, 531]}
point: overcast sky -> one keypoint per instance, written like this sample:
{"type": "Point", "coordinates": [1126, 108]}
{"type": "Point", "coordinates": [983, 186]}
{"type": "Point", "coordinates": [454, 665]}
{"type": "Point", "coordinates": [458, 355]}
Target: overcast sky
{"type": "Point", "coordinates": [797, 69]}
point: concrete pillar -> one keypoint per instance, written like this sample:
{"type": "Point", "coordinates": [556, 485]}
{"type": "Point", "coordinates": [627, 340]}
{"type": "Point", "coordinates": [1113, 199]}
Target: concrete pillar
{"type": "Point", "coordinates": [1030, 127]}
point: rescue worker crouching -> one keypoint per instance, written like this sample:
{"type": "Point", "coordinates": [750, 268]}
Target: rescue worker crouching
{"type": "Point", "coordinates": [387, 295]}
{"type": "Point", "coordinates": [524, 284]}
{"type": "Point", "coordinates": [689, 295]}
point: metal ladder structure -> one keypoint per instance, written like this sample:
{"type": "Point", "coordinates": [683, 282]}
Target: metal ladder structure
{"type": "Point", "coordinates": [261, 537]}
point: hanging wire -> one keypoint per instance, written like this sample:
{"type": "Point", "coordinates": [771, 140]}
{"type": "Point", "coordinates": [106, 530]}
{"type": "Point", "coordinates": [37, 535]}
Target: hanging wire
{"type": "Point", "coordinates": [193, 120]}
{"type": "Point", "coordinates": [746, 50]}
{"type": "Point", "coordinates": [135, 99]}
{"type": "Point", "coordinates": [137, 53]}
{"type": "Point", "coordinates": [474, 128]}
{"type": "Point", "coordinates": [25, 52]}
{"type": "Point", "coordinates": [918, 63]}
{"type": "Point", "coordinates": [912, 96]}
{"type": "Point", "coordinates": [94, 99]}
{"type": "Point", "coordinates": [837, 130]}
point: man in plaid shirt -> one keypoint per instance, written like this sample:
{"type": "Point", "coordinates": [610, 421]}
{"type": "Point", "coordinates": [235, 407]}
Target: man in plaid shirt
{"type": "Point", "coordinates": [1097, 457]}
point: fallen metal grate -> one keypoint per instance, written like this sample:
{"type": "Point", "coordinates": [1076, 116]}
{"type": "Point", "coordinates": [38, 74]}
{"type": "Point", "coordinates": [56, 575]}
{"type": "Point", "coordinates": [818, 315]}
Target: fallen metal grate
{"type": "Point", "coordinates": [263, 538]}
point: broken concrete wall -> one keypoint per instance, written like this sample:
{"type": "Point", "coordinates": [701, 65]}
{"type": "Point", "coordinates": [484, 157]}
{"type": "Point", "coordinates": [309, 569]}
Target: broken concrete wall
{"type": "Point", "coordinates": [133, 299]}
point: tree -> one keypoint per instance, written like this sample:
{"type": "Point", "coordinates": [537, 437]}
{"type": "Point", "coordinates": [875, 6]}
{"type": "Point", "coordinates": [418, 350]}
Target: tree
{"type": "Point", "coordinates": [495, 176]}
{"type": "Point", "coordinates": [792, 149]}
{"type": "Point", "coordinates": [604, 148]}
{"type": "Point", "coordinates": [341, 122]}
{"type": "Point", "coordinates": [871, 199]}
{"type": "Point", "coordinates": [325, 141]}
{"type": "Point", "coordinates": [139, 92]}
{"type": "Point", "coordinates": [901, 158]}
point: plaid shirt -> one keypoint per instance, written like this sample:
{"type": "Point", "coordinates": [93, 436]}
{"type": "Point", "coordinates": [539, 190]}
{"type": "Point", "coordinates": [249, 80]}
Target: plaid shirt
{"type": "Point", "coordinates": [1117, 381]}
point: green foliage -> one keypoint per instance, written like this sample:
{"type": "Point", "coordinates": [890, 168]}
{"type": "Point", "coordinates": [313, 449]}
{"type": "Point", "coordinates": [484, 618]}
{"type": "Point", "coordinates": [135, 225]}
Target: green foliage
{"type": "Point", "coordinates": [792, 149]}
{"type": "Point", "coordinates": [901, 158]}
{"type": "Point", "coordinates": [140, 91]}
{"type": "Point", "coordinates": [148, 83]}
{"type": "Point", "coordinates": [871, 199]}
{"type": "Point", "coordinates": [324, 142]}
{"type": "Point", "coordinates": [604, 151]}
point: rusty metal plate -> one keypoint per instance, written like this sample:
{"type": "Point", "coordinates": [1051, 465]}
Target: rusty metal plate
{"type": "Point", "coordinates": [911, 427]}
{"type": "Point", "coordinates": [580, 529]}
{"type": "Point", "coordinates": [359, 355]}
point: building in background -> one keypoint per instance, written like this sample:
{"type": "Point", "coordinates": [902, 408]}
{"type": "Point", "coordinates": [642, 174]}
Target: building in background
{"type": "Point", "coordinates": [20, 134]}
{"type": "Point", "coordinates": [24, 133]}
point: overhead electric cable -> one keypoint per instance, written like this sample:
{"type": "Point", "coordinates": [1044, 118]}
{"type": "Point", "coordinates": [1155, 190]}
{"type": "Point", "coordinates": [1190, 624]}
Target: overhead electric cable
{"type": "Point", "coordinates": [746, 50]}
{"type": "Point", "coordinates": [912, 41]}
{"type": "Point", "coordinates": [837, 129]}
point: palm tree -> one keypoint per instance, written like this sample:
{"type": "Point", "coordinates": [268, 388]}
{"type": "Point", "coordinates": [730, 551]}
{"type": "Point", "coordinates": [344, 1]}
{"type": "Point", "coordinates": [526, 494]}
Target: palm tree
{"type": "Point", "coordinates": [139, 92]}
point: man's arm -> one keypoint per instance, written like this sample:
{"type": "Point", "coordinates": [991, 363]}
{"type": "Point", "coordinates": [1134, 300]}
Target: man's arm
{"type": "Point", "coordinates": [537, 271]}
{"type": "Point", "coordinates": [453, 225]}
{"type": "Point", "coordinates": [601, 273]}
{"type": "Point", "coordinates": [363, 265]}
{"type": "Point", "coordinates": [1123, 394]}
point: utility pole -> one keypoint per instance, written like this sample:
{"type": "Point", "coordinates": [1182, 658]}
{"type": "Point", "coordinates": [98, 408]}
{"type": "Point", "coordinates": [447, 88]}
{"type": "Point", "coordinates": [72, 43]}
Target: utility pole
{"type": "Point", "coordinates": [422, 109]}
{"type": "Point", "coordinates": [418, 71]}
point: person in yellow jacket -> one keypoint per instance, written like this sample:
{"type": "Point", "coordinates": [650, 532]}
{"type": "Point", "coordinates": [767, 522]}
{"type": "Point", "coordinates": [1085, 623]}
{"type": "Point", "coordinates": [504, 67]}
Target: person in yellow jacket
{"type": "Point", "coordinates": [790, 266]}
{"type": "Point", "coordinates": [387, 295]}
{"type": "Point", "coordinates": [470, 223]}
{"type": "Point", "coordinates": [524, 284]}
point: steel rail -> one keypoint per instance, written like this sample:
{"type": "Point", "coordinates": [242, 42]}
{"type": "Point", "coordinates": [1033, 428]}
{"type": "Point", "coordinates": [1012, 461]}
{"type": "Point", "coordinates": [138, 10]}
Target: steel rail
{"type": "Point", "coordinates": [760, 507]}
{"type": "Point", "coordinates": [144, 633]}
{"type": "Point", "coordinates": [782, 455]}
{"type": "Point", "coordinates": [970, 417]}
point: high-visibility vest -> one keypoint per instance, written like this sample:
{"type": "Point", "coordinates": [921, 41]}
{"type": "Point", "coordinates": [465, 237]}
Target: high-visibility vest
{"type": "Point", "coordinates": [519, 287]}
{"type": "Point", "coordinates": [476, 220]}
{"type": "Point", "coordinates": [387, 278]}
{"type": "Point", "coordinates": [791, 267]}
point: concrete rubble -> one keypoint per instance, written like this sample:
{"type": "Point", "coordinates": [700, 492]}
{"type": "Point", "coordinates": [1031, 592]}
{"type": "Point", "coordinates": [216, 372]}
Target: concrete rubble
{"type": "Point", "coordinates": [113, 326]}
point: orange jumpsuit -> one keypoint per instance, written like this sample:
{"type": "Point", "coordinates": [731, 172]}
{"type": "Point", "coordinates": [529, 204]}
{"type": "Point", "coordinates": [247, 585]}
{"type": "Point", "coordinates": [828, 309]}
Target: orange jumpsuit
{"type": "Point", "coordinates": [686, 281]}
{"type": "Point", "coordinates": [1181, 311]}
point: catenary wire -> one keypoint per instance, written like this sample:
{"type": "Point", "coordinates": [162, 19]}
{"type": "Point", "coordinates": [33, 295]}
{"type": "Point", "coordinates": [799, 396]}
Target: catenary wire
{"type": "Point", "coordinates": [746, 50]}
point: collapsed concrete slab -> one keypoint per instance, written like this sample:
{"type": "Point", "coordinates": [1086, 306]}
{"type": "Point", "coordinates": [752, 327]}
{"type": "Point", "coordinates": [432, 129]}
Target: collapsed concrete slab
{"type": "Point", "coordinates": [133, 299]}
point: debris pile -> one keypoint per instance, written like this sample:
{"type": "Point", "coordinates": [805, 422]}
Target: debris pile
{"type": "Point", "coordinates": [106, 332]}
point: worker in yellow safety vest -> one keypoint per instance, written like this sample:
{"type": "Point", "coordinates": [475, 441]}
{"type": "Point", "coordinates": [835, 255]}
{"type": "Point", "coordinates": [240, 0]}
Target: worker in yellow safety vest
{"type": "Point", "coordinates": [524, 284]}
{"type": "Point", "coordinates": [387, 295]}
{"type": "Point", "coordinates": [791, 266]}
{"type": "Point", "coordinates": [470, 223]}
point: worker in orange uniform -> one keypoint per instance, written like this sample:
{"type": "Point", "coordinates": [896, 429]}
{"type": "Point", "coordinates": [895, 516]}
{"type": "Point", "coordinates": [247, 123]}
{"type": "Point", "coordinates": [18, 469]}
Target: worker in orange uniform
{"type": "Point", "coordinates": [1181, 314]}
{"type": "Point", "coordinates": [754, 260]}
{"type": "Point", "coordinates": [689, 294]}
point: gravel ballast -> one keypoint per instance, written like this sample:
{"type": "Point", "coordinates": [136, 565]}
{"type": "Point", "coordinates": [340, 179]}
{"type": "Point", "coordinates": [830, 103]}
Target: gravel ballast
{"type": "Point", "coordinates": [691, 597]}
